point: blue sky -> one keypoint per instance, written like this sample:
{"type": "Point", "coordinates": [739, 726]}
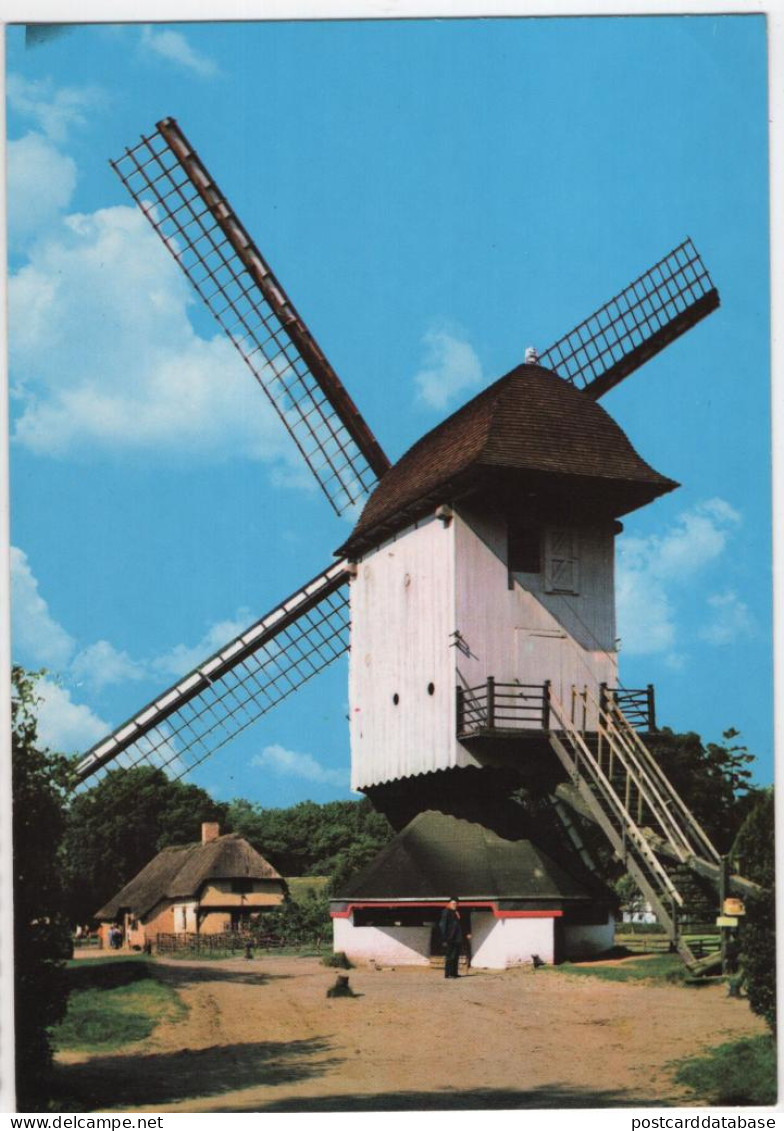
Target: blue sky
{"type": "Point", "coordinates": [435, 196]}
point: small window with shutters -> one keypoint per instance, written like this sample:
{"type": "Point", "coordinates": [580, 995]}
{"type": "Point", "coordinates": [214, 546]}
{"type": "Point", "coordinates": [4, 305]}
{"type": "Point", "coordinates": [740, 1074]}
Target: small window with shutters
{"type": "Point", "coordinates": [562, 572]}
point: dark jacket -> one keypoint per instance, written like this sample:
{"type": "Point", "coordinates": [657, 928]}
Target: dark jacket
{"type": "Point", "coordinates": [450, 926]}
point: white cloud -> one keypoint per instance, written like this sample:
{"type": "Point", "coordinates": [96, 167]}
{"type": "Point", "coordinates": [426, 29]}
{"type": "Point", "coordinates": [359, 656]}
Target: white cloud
{"type": "Point", "coordinates": [41, 181]}
{"type": "Point", "coordinates": [646, 618]}
{"type": "Point", "coordinates": [451, 368]}
{"type": "Point", "coordinates": [36, 635]}
{"type": "Point", "coordinates": [53, 109]}
{"type": "Point", "coordinates": [652, 570]}
{"type": "Point", "coordinates": [292, 764]}
{"type": "Point", "coordinates": [174, 47]}
{"type": "Point", "coordinates": [64, 725]}
{"type": "Point", "coordinates": [101, 665]}
{"type": "Point", "coordinates": [184, 657]}
{"type": "Point", "coordinates": [731, 619]}
{"type": "Point", "coordinates": [39, 639]}
{"type": "Point", "coordinates": [104, 358]}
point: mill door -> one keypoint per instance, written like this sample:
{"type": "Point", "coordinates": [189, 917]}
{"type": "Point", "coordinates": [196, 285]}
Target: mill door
{"type": "Point", "coordinates": [542, 654]}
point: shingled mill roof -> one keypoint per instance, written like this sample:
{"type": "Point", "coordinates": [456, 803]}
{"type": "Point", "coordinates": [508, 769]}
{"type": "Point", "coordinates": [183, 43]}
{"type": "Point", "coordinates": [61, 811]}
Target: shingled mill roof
{"type": "Point", "coordinates": [437, 855]}
{"type": "Point", "coordinates": [531, 421]}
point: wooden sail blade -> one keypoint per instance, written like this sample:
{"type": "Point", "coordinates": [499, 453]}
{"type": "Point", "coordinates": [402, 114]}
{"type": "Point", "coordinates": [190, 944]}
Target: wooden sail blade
{"type": "Point", "coordinates": [176, 193]}
{"type": "Point", "coordinates": [658, 307]}
{"type": "Point", "coordinates": [235, 686]}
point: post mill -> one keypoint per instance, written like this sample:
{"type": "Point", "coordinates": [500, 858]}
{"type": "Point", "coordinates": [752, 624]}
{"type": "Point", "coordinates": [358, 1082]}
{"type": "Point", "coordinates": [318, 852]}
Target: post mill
{"type": "Point", "coordinates": [476, 595]}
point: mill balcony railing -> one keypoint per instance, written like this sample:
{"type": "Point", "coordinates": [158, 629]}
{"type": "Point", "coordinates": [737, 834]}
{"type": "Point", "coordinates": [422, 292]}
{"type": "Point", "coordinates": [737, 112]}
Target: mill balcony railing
{"type": "Point", "coordinates": [498, 706]}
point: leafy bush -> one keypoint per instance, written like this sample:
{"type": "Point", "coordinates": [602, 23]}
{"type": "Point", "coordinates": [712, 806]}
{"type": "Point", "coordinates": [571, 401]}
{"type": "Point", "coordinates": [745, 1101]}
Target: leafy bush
{"type": "Point", "coordinates": [754, 855]}
{"type": "Point", "coordinates": [340, 960]}
{"type": "Point", "coordinates": [42, 936]}
{"type": "Point", "coordinates": [306, 921]}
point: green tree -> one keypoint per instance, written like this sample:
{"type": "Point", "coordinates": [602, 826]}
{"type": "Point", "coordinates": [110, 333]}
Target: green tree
{"type": "Point", "coordinates": [302, 921]}
{"type": "Point", "coordinates": [115, 829]}
{"type": "Point", "coordinates": [713, 779]}
{"type": "Point", "coordinates": [754, 856]}
{"type": "Point", "coordinates": [312, 839]}
{"type": "Point", "coordinates": [42, 936]}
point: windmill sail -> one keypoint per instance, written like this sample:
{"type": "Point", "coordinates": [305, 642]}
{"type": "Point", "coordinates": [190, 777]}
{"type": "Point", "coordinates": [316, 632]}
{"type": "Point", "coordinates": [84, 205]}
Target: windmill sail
{"type": "Point", "coordinates": [186, 208]}
{"type": "Point", "coordinates": [236, 686]}
{"type": "Point", "coordinates": [654, 310]}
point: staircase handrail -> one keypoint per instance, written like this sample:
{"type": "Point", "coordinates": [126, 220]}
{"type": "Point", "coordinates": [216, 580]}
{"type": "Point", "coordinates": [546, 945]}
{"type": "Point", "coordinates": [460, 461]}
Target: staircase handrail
{"type": "Point", "coordinates": [702, 837]}
{"type": "Point", "coordinates": [649, 779]}
{"type": "Point", "coordinates": [640, 775]}
{"type": "Point", "coordinates": [622, 750]}
{"type": "Point", "coordinates": [629, 827]}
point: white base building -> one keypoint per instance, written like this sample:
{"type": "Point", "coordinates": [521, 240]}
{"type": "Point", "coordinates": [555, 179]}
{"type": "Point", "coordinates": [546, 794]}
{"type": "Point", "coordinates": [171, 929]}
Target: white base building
{"type": "Point", "coordinates": [516, 902]}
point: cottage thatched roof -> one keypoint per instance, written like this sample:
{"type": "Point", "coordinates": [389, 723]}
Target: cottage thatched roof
{"type": "Point", "coordinates": [530, 426]}
{"type": "Point", "coordinates": [438, 855]}
{"type": "Point", "coordinates": [179, 872]}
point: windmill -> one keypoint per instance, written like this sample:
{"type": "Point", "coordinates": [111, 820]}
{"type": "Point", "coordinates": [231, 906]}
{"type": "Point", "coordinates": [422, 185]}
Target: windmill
{"type": "Point", "coordinates": [477, 584]}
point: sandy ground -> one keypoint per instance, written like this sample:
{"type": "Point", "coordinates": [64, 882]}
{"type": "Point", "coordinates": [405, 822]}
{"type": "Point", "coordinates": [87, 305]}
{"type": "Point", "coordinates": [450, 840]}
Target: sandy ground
{"type": "Point", "coordinates": [263, 1036]}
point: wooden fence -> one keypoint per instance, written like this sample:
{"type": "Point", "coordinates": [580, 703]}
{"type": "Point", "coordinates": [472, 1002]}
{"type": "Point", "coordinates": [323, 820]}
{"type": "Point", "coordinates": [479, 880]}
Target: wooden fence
{"type": "Point", "coordinates": [231, 941]}
{"type": "Point", "coordinates": [649, 943]}
{"type": "Point", "coordinates": [87, 941]}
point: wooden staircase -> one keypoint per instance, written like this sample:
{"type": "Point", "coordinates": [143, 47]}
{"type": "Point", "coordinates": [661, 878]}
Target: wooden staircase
{"type": "Point", "coordinates": [616, 782]}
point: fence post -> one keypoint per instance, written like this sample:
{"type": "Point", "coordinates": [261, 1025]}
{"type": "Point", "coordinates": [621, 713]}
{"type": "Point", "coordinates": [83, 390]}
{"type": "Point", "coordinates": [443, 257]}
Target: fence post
{"type": "Point", "coordinates": [546, 705]}
{"type": "Point", "coordinates": [651, 708]}
{"type": "Point", "coordinates": [490, 702]}
{"type": "Point", "coordinates": [460, 710]}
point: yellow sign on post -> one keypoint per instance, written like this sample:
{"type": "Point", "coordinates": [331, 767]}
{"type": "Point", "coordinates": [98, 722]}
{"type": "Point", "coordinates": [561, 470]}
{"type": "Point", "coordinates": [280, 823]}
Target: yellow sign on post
{"type": "Point", "coordinates": [726, 921]}
{"type": "Point", "coordinates": [733, 906]}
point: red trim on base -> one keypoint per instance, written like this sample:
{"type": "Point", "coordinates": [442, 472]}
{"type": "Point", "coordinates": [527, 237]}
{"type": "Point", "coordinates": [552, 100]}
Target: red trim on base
{"type": "Point", "coordinates": [493, 906]}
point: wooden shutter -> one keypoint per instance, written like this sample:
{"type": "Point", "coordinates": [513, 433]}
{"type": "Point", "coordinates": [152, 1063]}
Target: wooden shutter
{"type": "Point", "coordinates": [562, 573]}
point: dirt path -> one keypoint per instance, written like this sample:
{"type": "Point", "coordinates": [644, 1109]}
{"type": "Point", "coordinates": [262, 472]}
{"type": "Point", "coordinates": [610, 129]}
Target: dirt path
{"type": "Point", "coordinates": [264, 1037]}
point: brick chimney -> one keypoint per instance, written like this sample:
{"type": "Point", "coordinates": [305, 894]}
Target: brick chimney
{"type": "Point", "coordinates": [210, 830]}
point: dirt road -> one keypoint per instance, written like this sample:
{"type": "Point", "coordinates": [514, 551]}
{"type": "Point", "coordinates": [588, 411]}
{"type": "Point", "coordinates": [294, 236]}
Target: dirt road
{"type": "Point", "coordinates": [263, 1036]}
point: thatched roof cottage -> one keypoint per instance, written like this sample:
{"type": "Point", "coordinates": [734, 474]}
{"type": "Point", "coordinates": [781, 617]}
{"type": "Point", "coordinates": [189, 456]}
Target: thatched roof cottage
{"type": "Point", "coordinates": [220, 884]}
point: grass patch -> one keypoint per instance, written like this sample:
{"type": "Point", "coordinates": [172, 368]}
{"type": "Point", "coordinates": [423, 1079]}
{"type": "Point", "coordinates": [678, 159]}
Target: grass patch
{"type": "Point", "coordinates": [301, 887]}
{"type": "Point", "coordinates": [739, 1073]}
{"type": "Point", "coordinates": [114, 1003]}
{"type": "Point", "coordinates": [661, 968]}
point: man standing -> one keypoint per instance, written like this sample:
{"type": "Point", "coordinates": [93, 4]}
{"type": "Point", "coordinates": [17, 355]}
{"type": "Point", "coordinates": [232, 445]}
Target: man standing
{"type": "Point", "coordinates": [451, 929]}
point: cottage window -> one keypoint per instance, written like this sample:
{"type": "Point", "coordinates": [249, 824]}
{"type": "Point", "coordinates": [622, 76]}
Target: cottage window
{"type": "Point", "coordinates": [524, 548]}
{"type": "Point", "coordinates": [562, 561]}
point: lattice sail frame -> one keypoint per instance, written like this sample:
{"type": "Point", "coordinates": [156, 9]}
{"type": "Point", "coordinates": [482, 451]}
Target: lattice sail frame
{"type": "Point", "coordinates": [194, 220]}
{"type": "Point", "coordinates": [648, 314]}
{"type": "Point", "coordinates": [235, 686]}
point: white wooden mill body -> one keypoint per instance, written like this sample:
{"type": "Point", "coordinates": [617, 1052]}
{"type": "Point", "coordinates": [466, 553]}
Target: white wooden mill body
{"type": "Point", "coordinates": [433, 609]}
{"type": "Point", "coordinates": [434, 604]}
